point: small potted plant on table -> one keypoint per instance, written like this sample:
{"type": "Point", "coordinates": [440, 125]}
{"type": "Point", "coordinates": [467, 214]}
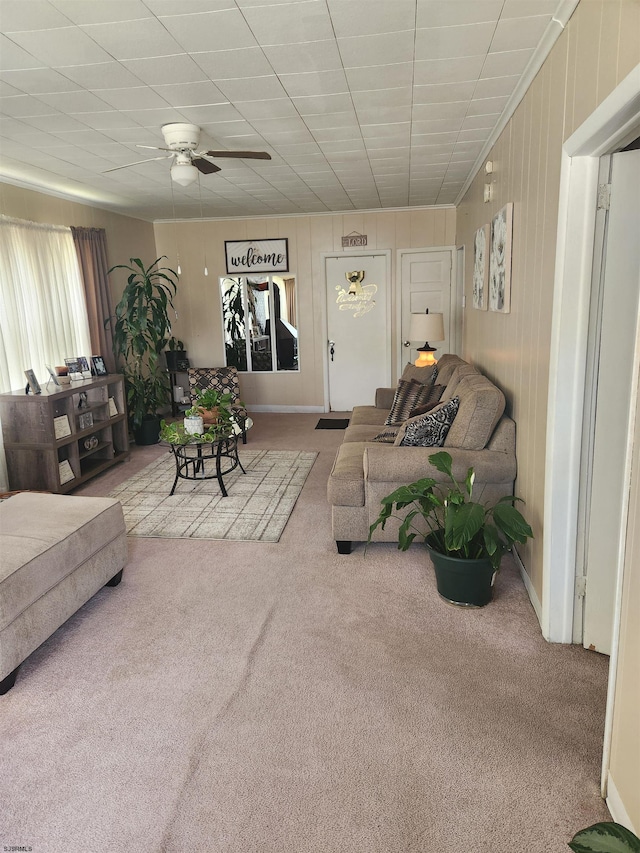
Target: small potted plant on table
{"type": "Point", "coordinates": [465, 539]}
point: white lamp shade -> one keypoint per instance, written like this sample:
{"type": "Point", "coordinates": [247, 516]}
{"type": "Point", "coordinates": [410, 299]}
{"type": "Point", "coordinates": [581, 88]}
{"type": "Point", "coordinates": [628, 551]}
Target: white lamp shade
{"type": "Point", "coordinates": [184, 174]}
{"type": "Point", "coordinates": [426, 327]}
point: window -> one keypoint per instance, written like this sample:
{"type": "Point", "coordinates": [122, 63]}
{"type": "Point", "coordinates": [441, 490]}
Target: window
{"type": "Point", "coordinates": [260, 323]}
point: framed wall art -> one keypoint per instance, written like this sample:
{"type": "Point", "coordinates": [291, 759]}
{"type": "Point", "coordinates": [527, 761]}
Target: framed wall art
{"type": "Point", "coordinates": [481, 268]}
{"type": "Point", "coordinates": [250, 256]}
{"type": "Point", "coordinates": [500, 260]}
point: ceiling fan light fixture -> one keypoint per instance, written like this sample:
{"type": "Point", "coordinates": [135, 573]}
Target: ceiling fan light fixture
{"type": "Point", "coordinates": [184, 174]}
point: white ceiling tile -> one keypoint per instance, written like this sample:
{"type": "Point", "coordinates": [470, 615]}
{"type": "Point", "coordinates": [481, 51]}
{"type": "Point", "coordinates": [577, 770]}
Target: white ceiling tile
{"type": "Point", "coordinates": [12, 56]}
{"type": "Point", "coordinates": [321, 104]}
{"type": "Point", "coordinates": [485, 121]}
{"type": "Point", "coordinates": [431, 71]}
{"type": "Point", "coordinates": [207, 113]}
{"type": "Point", "coordinates": [186, 94]}
{"type": "Point", "coordinates": [139, 97]}
{"type": "Point", "coordinates": [518, 33]}
{"type": "Point", "coordinates": [437, 125]}
{"type": "Point", "coordinates": [495, 87]}
{"type": "Point", "coordinates": [435, 13]}
{"type": "Point", "coordinates": [350, 133]}
{"type": "Point", "coordinates": [487, 106]}
{"type": "Point", "coordinates": [308, 21]}
{"type": "Point", "coordinates": [344, 147]}
{"type": "Point", "coordinates": [55, 121]}
{"type": "Point", "coordinates": [370, 17]}
{"type": "Point", "coordinates": [79, 101]}
{"type": "Point", "coordinates": [473, 135]}
{"type": "Point", "coordinates": [163, 70]}
{"type": "Point", "coordinates": [525, 8]}
{"type": "Point", "coordinates": [24, 105]}
{"type": "Point", "coordinates": [107, 120]}
{"type": "Point", "coordinates": [81, 12]}
{"type": "Point", "coordinates": [6, 90]}
{"type": "Point", "coordinates": [17, 15]}
{"type": "Point", "coordinates": [382, 99]}
{"type": "Point", "coordinates": [506, 63]}
{"type": "Point", "coordinates": [38, 80]}
{"type": "Point", "coordinates": [418, 140]}
{"type": "Point", "coordinates": [281, 107]}
{"type": "Point", "coordinates": [380, 76]}
{"type": "Point", "coordinates": [443, 93]}
{"type": "Point", "coordinates": [305, 57]}
{"type": "Point", "coordinates": [83, 138]}
{"type": "Point", "coordinates": [384, 114]}
{"type": "Point", "coordinates": [233, 64]}
{"type": "Point", "coordinates": [252, 88]}
{"type": "Point", "coordinates": [452, 42]}
{"type": "Point", "coordinates": [101, 75]}
{"type": "Point", "coordinates": [359, 51]}
{"type": "Point", "coordinates": [315, 83]}
{"type": "Point", "coordinates": [67, 45]}
{"type": "Point", "coordinates": [425, 112]}
{"type": "Point", "coordinates": [136, 40]}
{"type": "Point", "coordinates": [401, 131]}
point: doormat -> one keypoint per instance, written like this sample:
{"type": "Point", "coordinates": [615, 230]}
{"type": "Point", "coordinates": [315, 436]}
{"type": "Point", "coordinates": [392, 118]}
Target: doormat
{"type": "Point", "coordinates": [257, 509]}
{"type": "Point", "coordinates": [332, 423]}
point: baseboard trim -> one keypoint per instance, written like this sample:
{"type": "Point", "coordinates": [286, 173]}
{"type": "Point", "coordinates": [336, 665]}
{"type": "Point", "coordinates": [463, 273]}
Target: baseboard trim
{"type": "Point", "coordinates": [299, 410]}
{"type": "Point", "coordinates": [616, 806]}
{"type": "Point", "coordinates": [535, 601]}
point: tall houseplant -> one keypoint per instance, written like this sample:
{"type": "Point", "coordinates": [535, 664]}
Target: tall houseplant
{"type": "Point", "coordinates": [140, 329]}
{"type": "Point", "coordinates": [466, 539]}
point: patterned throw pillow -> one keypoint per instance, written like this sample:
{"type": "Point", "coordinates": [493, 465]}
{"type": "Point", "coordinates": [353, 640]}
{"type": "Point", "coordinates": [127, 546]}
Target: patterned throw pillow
{"type": "Point", "coordinates": [429, 430]}
{"type": "Point", "coordinates": [435, 392]}
{"type": "Point", "coordinates": [387, 436]}
{"type": "Point", "coordinates": [407, 396]}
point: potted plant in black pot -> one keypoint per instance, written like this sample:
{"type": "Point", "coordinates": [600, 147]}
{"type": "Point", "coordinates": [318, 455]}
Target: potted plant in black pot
{"type": "Point", "coordinates": [140, 329]}
{"type": "Point", "coordinates": [465, 539]}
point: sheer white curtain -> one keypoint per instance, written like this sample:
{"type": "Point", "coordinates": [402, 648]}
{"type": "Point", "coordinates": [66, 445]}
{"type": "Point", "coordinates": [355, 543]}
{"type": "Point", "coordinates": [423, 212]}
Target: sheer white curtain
{"type": "Point", "coordinates": [43, 314]}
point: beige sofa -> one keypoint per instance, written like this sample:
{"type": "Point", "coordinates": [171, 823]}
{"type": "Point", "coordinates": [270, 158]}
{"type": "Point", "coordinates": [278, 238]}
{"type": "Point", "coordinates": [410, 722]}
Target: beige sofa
{"type": "Point", "coordinates": [481, 436]}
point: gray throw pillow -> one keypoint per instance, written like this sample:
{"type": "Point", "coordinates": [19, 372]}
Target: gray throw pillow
{"type": "Point", "coordinates": [430, 429]}
{"type": "Point", "coordinates": [435, 392]}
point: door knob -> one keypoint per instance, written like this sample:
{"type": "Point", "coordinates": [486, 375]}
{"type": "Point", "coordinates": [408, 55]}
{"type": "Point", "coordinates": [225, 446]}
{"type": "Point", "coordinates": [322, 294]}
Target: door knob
{"type": "Point", "coordinates": [332, 345]}
{"type": "Point", "coordinates": [406, 343]}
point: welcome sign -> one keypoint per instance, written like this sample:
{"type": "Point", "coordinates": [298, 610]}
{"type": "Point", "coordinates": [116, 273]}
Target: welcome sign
{"type": "Point", "coordinates": [247, 256]}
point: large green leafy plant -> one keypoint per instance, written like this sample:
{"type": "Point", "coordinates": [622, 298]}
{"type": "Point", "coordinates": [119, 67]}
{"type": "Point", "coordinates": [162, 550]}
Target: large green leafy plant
{"type": "Point", "coordinates": [140, 329]}
{"type": "Point", "coordinates": [455, 525]}
{"type": "Point", "coordinates": [606, 837]}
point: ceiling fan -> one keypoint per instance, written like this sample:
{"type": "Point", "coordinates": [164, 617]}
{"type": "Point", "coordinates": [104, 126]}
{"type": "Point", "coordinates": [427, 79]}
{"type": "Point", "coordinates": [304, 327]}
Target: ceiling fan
{"type": "Point", "coordinates": [181, 141]}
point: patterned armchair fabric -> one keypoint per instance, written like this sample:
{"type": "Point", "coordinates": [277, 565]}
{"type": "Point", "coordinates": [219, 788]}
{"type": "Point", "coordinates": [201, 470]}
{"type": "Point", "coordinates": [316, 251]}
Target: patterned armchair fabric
{"type": "Point", "coordinates": [223, 379]}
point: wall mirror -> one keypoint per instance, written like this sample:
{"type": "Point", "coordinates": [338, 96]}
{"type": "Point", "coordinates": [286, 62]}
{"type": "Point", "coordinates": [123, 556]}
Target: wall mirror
{"type": "Point", "coordinates": [260, 322]}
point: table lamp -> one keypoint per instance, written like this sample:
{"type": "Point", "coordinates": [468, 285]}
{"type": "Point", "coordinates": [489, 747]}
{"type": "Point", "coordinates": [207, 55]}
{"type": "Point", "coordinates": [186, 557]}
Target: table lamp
{"type": "Point", "coordinates": [425, 327]}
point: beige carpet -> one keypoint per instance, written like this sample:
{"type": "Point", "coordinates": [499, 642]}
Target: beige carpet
{"type": "Point", "coordinates": [257, 507]}
{"type": "Point", "coordinates": [248, 697]}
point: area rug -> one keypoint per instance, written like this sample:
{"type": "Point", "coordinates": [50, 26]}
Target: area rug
{"type": "Point", "coordinates": [257, 508]}
{"type": "Point", "coordinates": [332, 423]}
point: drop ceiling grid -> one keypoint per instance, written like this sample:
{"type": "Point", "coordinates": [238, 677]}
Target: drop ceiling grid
{"type": "Point", "coordinates": [78, 87]}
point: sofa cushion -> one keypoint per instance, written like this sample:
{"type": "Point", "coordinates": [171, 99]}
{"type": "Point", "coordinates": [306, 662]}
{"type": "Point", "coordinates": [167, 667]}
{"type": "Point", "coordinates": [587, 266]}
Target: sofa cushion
{"type": "Point", "coordinates": [459, 373]}
{"type": "Point", "coordinates": [408, 396]}
{"type": "Point", "coordinates": [447, 363]}
{"type": "Point", "coordinates": [481, 407]}
{"type": "Point", "coordinates": [362, 432]}
{"type": "Point", "coordinates": [429, 429]}
{"type": "Point", "coordinates": [368, 415]}
{"type": "Point", "coordinates": [424, 375]}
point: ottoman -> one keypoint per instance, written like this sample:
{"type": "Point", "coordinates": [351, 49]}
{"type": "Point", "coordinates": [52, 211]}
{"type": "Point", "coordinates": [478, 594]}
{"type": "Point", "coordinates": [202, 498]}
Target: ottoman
{"type": "Point", "coordinates": [56, 552]}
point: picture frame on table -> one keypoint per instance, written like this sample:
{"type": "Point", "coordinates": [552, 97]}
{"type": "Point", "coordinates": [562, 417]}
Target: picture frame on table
{"type": "Point", "coordinates": [74, 368]}
{"type": "Point", "coordinates": [85, 420]}
{"type": "Point", "coordinates": [53, 376]}
{"type": "Point", "coordinates": [99, 368]}
{"type": "Point", "coordinates": [33, 386]}
{"type": "Point", "coordinates": [84, 367]}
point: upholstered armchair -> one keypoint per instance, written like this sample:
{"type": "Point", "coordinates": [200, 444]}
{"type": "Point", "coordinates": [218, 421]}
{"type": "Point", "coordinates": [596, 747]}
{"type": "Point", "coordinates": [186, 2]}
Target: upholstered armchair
{"type": "Point", "coordinates": [225, 380]}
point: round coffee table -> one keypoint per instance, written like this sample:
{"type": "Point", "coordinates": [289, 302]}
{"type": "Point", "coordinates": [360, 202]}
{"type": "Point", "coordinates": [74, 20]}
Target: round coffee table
{"type": "Point", "coordinates": [195, 459]}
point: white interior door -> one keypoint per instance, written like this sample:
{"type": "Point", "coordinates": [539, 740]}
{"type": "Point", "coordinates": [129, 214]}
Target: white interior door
{"type": "Point", "coordinates": [608, 492]}
{"type": "Point", "coordinates": [358, 333]}
{"type": "Point", "coordinates": [425, 283]}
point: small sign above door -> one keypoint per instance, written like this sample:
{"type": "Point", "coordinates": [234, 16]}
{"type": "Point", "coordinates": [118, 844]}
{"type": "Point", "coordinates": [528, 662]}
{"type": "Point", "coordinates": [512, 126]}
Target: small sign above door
{"type": "Point", "coordinates": [354, 239]}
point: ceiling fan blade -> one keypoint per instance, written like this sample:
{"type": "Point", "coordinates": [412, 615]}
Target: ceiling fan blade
{"type": "Point", "coordinates": [137, 163]}
{"type": "Point", "coordinates": [205, 166]}
{"type": "Point", "coordinates": [249, 155]}
{"type": "Point", "coordinates": [154, 147]}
